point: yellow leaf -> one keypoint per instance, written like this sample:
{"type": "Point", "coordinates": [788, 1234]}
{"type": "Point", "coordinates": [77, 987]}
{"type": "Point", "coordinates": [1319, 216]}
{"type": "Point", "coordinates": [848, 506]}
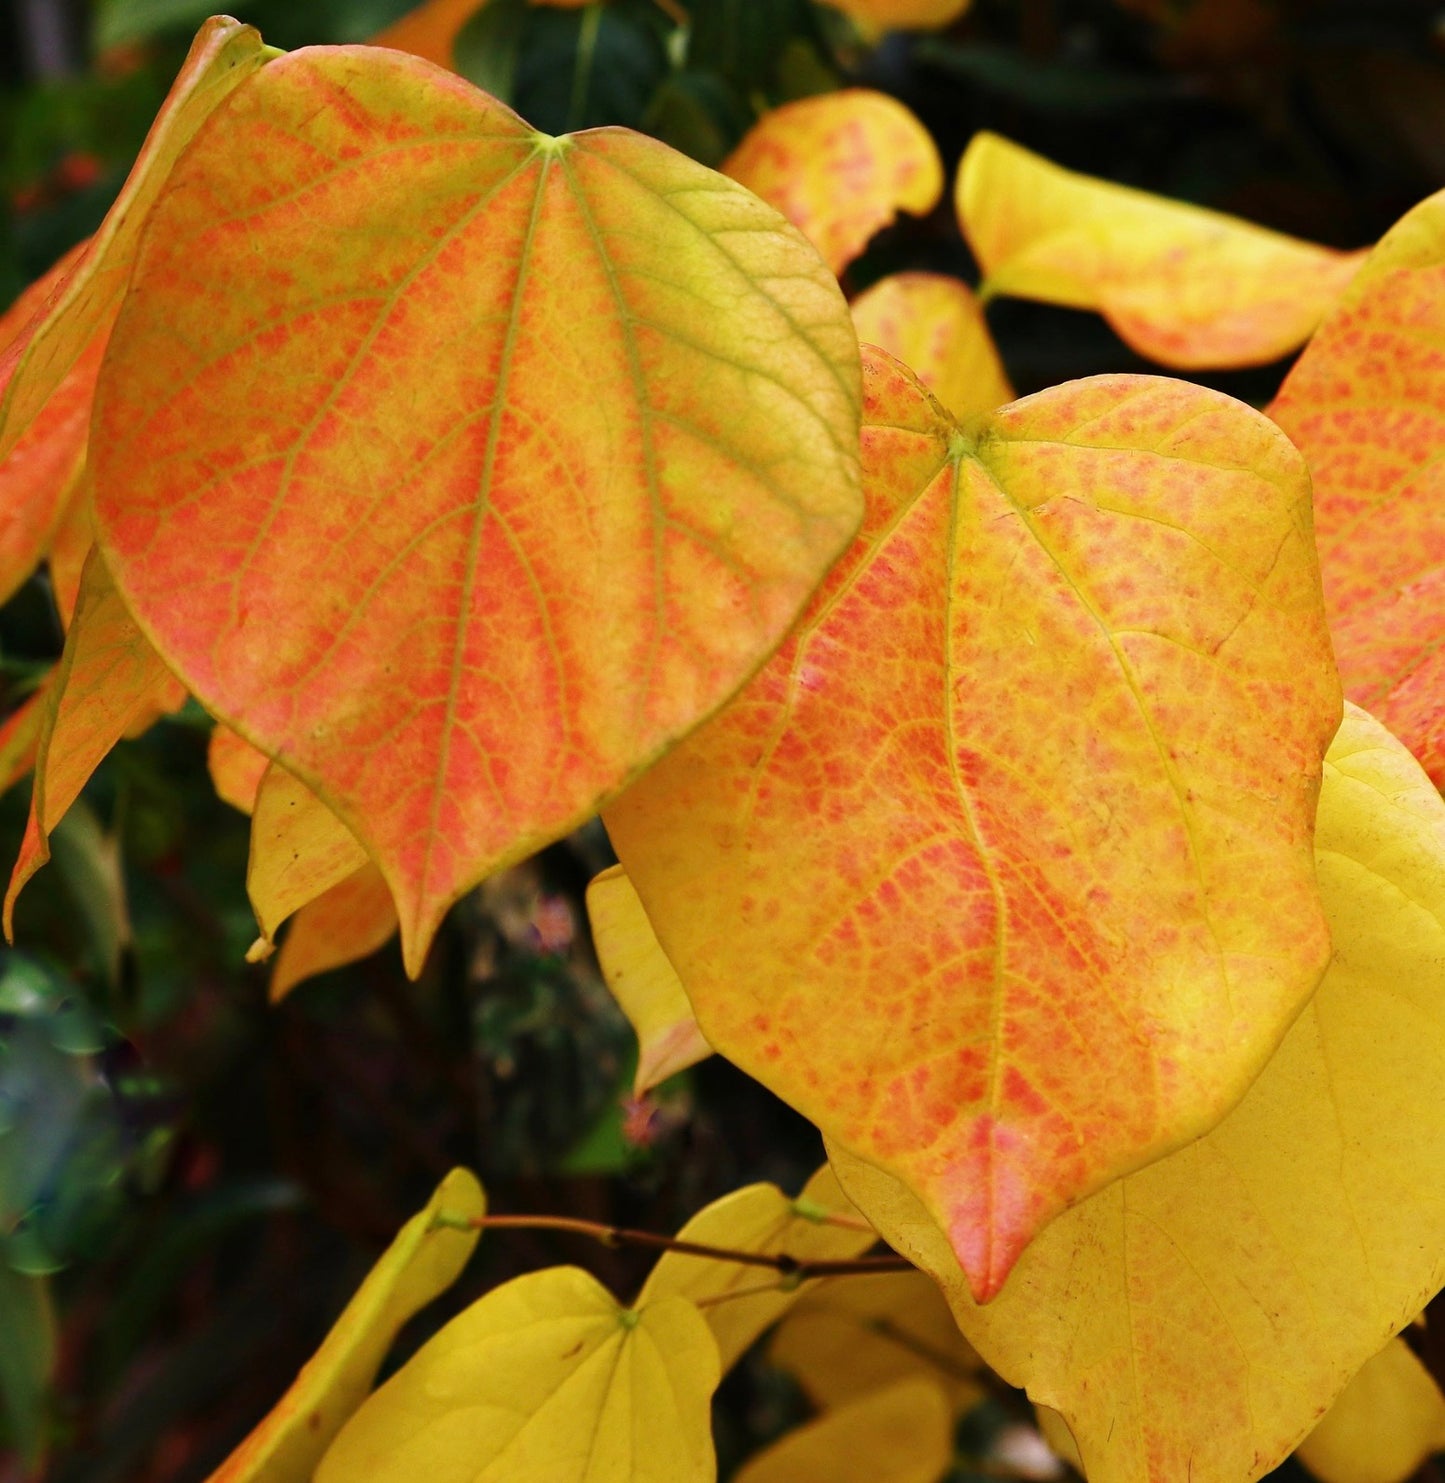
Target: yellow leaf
{"type": "Point", "coordinates": [1390, 1418]}
{"type": "Point", "coordinates": [1183, 285]}
{"type": "Point", "coordinates": [847, 1336]}
{"type": "Point", "coordinates": [348, 922]}
{"type": "Point", "coordinates": [901, 1434]}
{"type": "Point", "coordinates": [821, 1224]}
{"type": "Point", "coordinates": [643, 982]}
{"type": "Point", "coordinates": [1202, 1313]}
{"type": "Point", "coordinates": [840, 167]}
{"type": "Point", "coordinates": [422, 1262]}
{"type": "Point", "coordinates": [547, 1379]}
{"type": "Point", "coordinates": [299, 849]}
{"type": "Point", "coordinates": [1010, 971]}
{"type": "Point", "coordinates": [889, 15]}
{"type": "Point", "coordinates": [935, 326]}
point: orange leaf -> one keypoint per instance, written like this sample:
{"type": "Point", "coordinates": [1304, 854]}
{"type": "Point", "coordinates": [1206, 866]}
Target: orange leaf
{"type": "Point", "coordinates": [922, 15]}
{"type": "Point", "coordinates": [1185, 286]}
{"type": "Point", "coordinates": [465, 614]}
{"type": "Point", "coordinates": [970, 874]}
{"type": "Point", "coordinates": [299, 849]}
{"type": "Point", "coordinates": [20, 735]}
{"type": "Point", "coordinates": [349, 922]}
{"type": "Point", "coordinates": [431, 30]}
{"type": "Point", "coordinates": [1366, 405]}
{"type": "Point", "coordinates": [840, 167]}
{"type": "Point", "coordinates": [935, 326]}
{"type": "Point", "coordinates": [109, 683]}
{"type": "Point", "coordinates": [236, 768]}
{"type": "Point", "coordinates": [70, 544]}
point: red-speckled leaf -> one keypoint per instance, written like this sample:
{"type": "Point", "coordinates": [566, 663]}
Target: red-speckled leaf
{"type": "Point", "coordinates": [110, 683]}
{"type": "Point", "coordinates": [1366, 405]}
{"type": "Point", "coordinates": [971, 873]}
{"type": "Point", "coordinates": [935, 326]}
{"type": "Point", "coordinates": [349, 922]}
{"type": "Point", "coordinates": [840, 167]}
{"type": "Point", "coordinates": [1185, 286]}
{"type": "Point", "coordinates": [511, 462]}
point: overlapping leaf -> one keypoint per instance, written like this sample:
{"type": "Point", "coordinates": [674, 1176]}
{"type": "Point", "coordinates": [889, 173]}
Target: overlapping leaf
{"type": "Point", "coordinates": [1390, 1418]}
{"type": "Point", "coordinates": [236, 768]}
{"type": "Point", "coordinates": [820, 1225]}
{"type": "Point", "coordinates": [935, 326]}
{"type": "Point", "coordinates": [1366, 405]}
{"type": "Point", "coordinates": [423, 1261]}
{"type": "Point", "coordinates": [352, 920]}
{"type": "Point", "coordinates": [109, 684]}
{"type": "Point", "coordinates": [643, 982]}
{"type": "Point", "coordinates": [1205, 1311]}
{"type": "Point", "coordinates": [513, 459]}
{"type": "Point", "coordinates": [840, 167]}
{"type": "Point", "coordinates": [1183, 285]}
{"type": "Point", "coordinates": [900, 1434]}
{"type": "Point", "coordinates": [971, 872]}
{"type": "Point", "coordinates": [544, 1380]}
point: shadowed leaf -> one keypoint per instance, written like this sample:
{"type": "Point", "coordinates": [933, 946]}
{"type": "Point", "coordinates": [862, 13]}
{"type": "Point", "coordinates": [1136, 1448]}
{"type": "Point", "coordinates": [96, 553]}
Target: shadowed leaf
{"type": "Point", "coordinates": [349, 922]}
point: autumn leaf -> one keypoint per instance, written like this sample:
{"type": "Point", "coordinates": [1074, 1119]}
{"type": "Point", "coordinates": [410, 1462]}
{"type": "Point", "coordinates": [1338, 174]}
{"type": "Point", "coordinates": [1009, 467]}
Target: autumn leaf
{"type": "Point", "coordinates": [1009, 972]}
{"type": "Point", "coordinates": [902, 1434]}
{"type": "Point", "coordinates": [1182, 285]}
{"type": "Point", "coordinates": [423, 1261]}
{"type": "Point", "coordinates": [69, 545]}
{"type": "Point", "coordinates": [840, 167]}
{"type": "Point", "coordinates": [849, 1336]}
{"type": "Point", "coordinates": [888, 15]}
{"type": "Point", "coordinates": [546, 1379]}
{"type": "Point", "coordinates": [1205, 1311]}
{"type": "Point", "coordinates": [740, 1301]}
{"type": "Point", "coordinates": [1389, 1419]}
{"type": "Point", "coordinates": [350, 921]}
{"type": "Point", "coordinates": [431, 30]}
{"type": "Point", "coordinates": [643, 982]}
{"type": "Point", "coordinates": [463, 618]}
{"type": "Point", "coordinates": [109, 684]}
{"type": "Point", "coordinates": [20, 735]}
{"type": "Point", "coordinates": [236, 768]}
{"type": "Point", "coordinates": [935, 326]}
{"type": "Point", "coordinates": [1364, 404]}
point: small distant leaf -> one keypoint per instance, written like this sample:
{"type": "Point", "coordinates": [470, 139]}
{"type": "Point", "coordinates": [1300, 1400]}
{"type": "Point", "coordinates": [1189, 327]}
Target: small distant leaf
{"type": "Point", "coordinates": [1390, 1418]}
{"type": "Point", "coordinates": [643, 982]}
{"type": "Point", "coordinates": [299, 849]}
{"type": "Point", "coordinates": [1366, 405]}
{"type": "Point", "coordinates": [547, 1379]}
{"type": "Point", "coordinates": [902, 1434]}
{"type": "Point", "coordinates": [110, 683]}
{"type": "Point", "coordinates": [423, 1261]}
{"type": "Point", "coordinates": [349, 922]}
{"type": "Point", "coordinates": [849, 1336]}
{"type": "Point", "coordinates": [464, 619]}
{"type": "Point", "coordinates": [935, 326]}
{"type": "Point", "coordinates": [431, 30]}
{"type": "Point", "coordinates": [922, 15]}
{"type": "Point", "coordinates": [27, 1363]}
{"type": "Point", "coordinates": [761, 1218]}
{"type": "Point", "coordinates": [1184, 286]}
{"type": "Point", "coordinates": [1009, 972]}
{"type": "Point", "coordinates": [840, 168]}
{"type": "Point", "coordinates": [1205, 1311]}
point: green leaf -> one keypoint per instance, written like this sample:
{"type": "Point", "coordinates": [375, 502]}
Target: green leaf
{"type": "Point", "coordinates": [27, 1359]}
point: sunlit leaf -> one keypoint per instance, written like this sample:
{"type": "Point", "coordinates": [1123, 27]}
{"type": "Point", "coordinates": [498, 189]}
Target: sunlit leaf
{"type": "Point", "coordinates": [236, 768]}
{"type": "Point", "coordinates": [1183, 285]}
{"type": "Point", "coordinates": [1205, 1311]}
{"type": "Point", "coordinates": [299, 849]}
{"type": "Point", "coordinates": [431, 30]}
{"type": "Point", "coordinates": [547, 1379]}
{"type": "Point", "coordinates": [423, 1261]}
{"type": "Point", "coordinates": [109, 683]}
{"type": "Point", "coordinates": [1009, 970]}
{"type": "Point", "coordinates": [643, 982]}
{"type": "Point", "coordinates": [463, 618]}
{"type": "Point", "coordinates": [934, 325]}
{"type": "Point", "coordinates": [1366, 405]}
{"type": "Point", "coordinates": [349, 922]}
{"type": "Point", "coordinates": [840, 167]}
{"type": "Point", "coordinates": [1390, 1418]}
{"type": "Point", "coordinates": [740, 1301]}
{"type": "Point", "coordinates": [899, 1435]}
{"type": "Point", "coordinates": [848, 1336]}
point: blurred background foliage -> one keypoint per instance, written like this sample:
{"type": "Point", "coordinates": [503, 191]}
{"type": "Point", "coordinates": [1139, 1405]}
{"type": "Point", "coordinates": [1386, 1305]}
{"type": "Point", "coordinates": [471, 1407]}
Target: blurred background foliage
{"type": "Point", "coordinates": [192, 1181]}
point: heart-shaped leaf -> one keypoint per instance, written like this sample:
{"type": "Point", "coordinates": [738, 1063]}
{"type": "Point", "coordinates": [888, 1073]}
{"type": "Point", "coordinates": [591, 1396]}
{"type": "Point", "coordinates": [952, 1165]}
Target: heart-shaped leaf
{"type": "Point", "coordinates": [465, 616]}
{"type": "Point", "coordinates": [1205, 1311]}
{"type": "Point", "coordinates": [970, 874]}
{"type": "Point", "coordinates": [1185, 286]}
